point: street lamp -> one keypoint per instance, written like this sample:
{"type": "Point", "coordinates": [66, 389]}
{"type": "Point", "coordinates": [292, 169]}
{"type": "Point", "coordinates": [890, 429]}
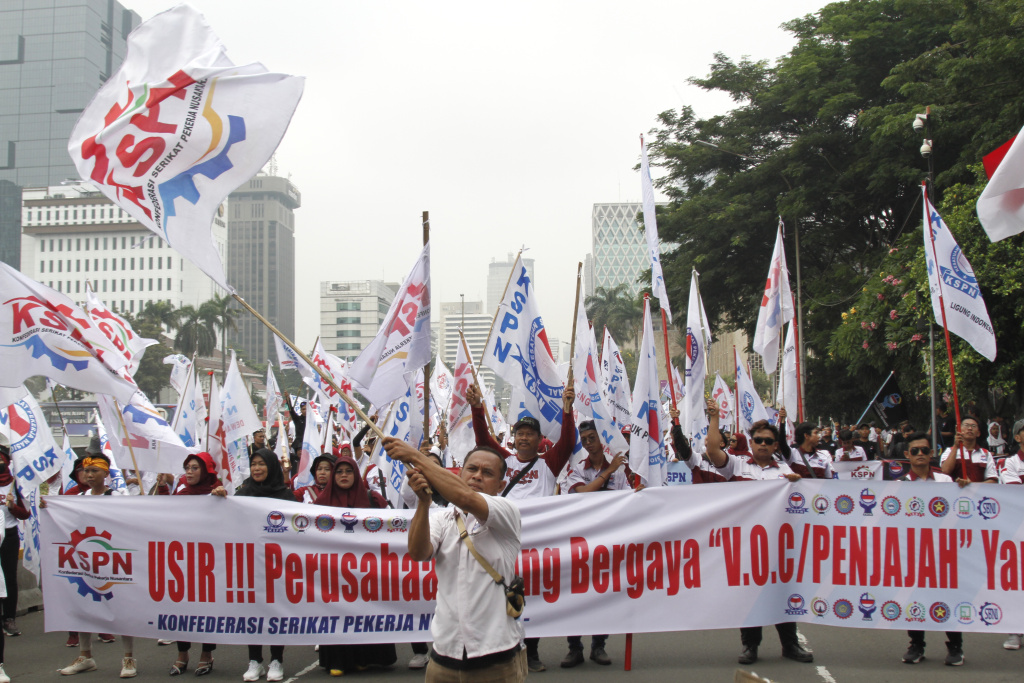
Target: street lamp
{"type": "Point", "coordinates": [922, 123]}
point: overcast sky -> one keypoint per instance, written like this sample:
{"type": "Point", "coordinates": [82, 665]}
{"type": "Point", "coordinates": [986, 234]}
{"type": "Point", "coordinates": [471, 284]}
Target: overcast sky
{"type": "Point", "coordinates": [507, 121]}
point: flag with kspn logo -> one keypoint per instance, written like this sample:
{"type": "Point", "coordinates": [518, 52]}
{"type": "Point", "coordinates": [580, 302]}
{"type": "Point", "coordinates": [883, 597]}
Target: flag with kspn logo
{"type": "Point", "coordinates": [43, 332]}
{"type": "Point", "coordinates": [181, 366]}
{"type": "Point", "coordinates": [35, 456]}
{"type": "Point", "coordinates": [616, 383]}
{"type": "Point", "coordinates": [723, 398]}
{"type": "Point", "coordinates": [178, 128]}
{"type": "Point", "coordinates": [698, 340]}
{"type": "Point", "coordinates": [651, 231]}
{"type": "Point", "coordinates": [776, 307]}
{"type": "Point", "coordinates": [647, 443]}
{"type": "Point", "coordinates": [461, 438]}
{"type": "Point", "coordinates": [156, 447]}
{"type": "Point", "coordinates": [748, 404]}
{"type": "Point", "coordinates": [519, 353]}
{"type": "Point", "coordinates": [117, 330]}
{"type": "Point", "coordinates": [403, 342]}
{"type": "Point", "coordinates": [287, 359]}
{"type": "Point", "coordinates": [238, 415]}
{"type": "Point", "coordinates": [953, 279]}
{"type": "Point", "coordinates": [589, 392]}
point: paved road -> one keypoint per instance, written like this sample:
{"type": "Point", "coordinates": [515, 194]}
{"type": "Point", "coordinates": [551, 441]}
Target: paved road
{"type": "Point", "coordinates": [842, 655]}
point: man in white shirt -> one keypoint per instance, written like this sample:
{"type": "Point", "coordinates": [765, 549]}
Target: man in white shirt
{"type": "Point", "coordinates": [807, 459]}
{"type": "Point", "coordinates": [847, 450]}
{"type": "Point", "coordinates": [979, 460]}
{"type": "Point", "coordinates": [474, 637]}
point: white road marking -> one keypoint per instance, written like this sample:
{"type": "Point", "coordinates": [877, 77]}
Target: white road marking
{"type": "Point", "coordinates": [825, 675]}
{"type": "Point", "coordinates": [317, 663]}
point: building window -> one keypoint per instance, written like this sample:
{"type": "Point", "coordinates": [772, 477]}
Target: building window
{"type": "Point", "coordinates": [42, 266]}
{"type": "Point", "coordinates": [104, 264]}
{"type": "Point", "coordinates": [159, 285]}
{"type": "Point", "coordinates": [78, 266]}
{"type": "Point", "coordinates": [42, 245]}
{"type": "Point", "coordinates": [348, 306]}
{"type": "Point", "coordinates": [123, 260]}
{"type": "Point", "coordinates": [382, 307]}
{"type": "Point", "coordinates": [131, 283]}
{"type": "Point", "coordinates": [348, 321]}
{"type": "Point", "coordinates": [78, 242]}
{"type": "Point", "coordinates": [159, 263]}
{"type": "Point", "coordinates": [122, 289]}
{"type": "Point", "coordinates": [87, 244]}
{"type": "Point", "coordinates": [150, 262]}
{"type": "Point", "coordinates": [60, 245]}
{"type": "Point", "coordinates": [104, 285]}
{"type": "Point", "coordinates": [150, 284]}
{"type": "Point", "coordinates": [60, 267]}
{"type": "Point", "coordinates": [168, 287]}
{"type": "Point", "coordinates": [348, 333]}
{"type": "Point", "coordinates": [132, 241]}
{"type": "Point", "coordinates": [123, 245]}
{"type": "Point", "coordinates": [87, 262]}
{"type": "Point", "coordinates": [347, 346]}
{"type": "Point", "coordinates": [78, 286]}
{"type": "Point", "coordinates": [105, 243]}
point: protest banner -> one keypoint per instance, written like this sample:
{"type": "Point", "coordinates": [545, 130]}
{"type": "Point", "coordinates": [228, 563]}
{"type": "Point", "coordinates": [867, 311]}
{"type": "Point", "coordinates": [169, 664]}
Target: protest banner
{"type": "Point", "coordinates": [897, 555]}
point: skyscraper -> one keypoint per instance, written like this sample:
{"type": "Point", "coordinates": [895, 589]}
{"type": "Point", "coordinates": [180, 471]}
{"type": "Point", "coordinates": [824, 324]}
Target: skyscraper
{"type": "Point", "coordinates": [497, 278]}
{"type": "Point", "coordinates": [352, 312]}
{"type": "Point", "coordinates": [476, 325]}
{"type": "Point", "coordinates": [619, 247]}
{"type": "Point", "coordinates": [261, 260]}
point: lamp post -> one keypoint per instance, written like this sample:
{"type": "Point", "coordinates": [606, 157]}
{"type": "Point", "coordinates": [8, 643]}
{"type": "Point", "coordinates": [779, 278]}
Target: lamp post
{"type": "Point", "coordinates": [922, 123]}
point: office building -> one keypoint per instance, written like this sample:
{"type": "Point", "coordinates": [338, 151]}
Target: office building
{"type": "Point", "coordinates": [74, 234]}
{"type": "Point", "coordinates": [261, 260]}
{"type": "Point", "coordinates": [619, 246]}
{"type": "Point", "coordinates": [497, 278]}
{"type": "Point", "coordinates": [476, 325]}
{"type": "Point", "coordinates": [352, 312]}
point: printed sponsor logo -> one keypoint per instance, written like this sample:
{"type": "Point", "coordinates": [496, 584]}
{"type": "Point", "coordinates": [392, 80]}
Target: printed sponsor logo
{"type": "Point", "coordinates": [990, 614]}
{"type": "Point", "coordinates": [891, 505]}
{"type": "Point", "coordinates": [275, 523]}
{"type": "Point", "coordinates": [324, 523]}
{"type": "Point", "coordinates": [797, 503]}
{"type": "Point", "coordinates": [867, 501]}
{"type": "Point", "coordinates": [349, 521]}
{"type": "Point", "coordinates": [891, 610]}
{"type": "Point", "coordinates": [373, 524]}
{"type": "Point", "coordinates": [91, 563]}
{"type": "Point", "coordinates": [300, 522]}
{"type": "Point", "coordinates": [795, 605]}
{"type": "Point", "coordinates": [939, 612]}
{"type": "Point", "coordinates": [844, 504]}
{"type": "Point", "coordinates": [819, 606]}
{"type": "Point", "coordinates": [820, 503]}
{"type": "Point", "coordinates": [843, 608]}
{"type": "Point", "coordinates": [965, 613]}
{"type": "Point", "coordinates": [398, 524]}
{"type": "Point", "coordinates": [915, 612]}
{"type": "Point", "coordinates": [915, 507]}
{"type": "Point", "coordinates": [867, 606]}
{"type": "Point", "coordinates": [896, 469]}
{"type": "Point", "coordinates": [964, 508]}
{"type": "Point", "coordinates": [938, 506]}
{"type": "Point", "coordinates": [988, 508]}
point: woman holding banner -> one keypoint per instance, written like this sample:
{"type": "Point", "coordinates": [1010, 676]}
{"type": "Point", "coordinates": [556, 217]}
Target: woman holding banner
{"type": "Point", "coordinates": [346, 489]}
{"type": "Point", "coordinates": [200, 480]}
{"type": "Point", "coordinates": [321, 470]}
{"type": "Point", "coordinates": [266, 480]}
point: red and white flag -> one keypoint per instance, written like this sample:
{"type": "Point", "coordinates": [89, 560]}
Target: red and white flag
{"type": "Point", "coordinates": [461, 439]}
{"type": "Point", "coordinates": [1001, 204]}
{"type": "Point", "coordinates": [776, 307]}
{"type": "Point", "coordinates": [118, 330]}
{"type": "Point", "coordinates": [178, 128]}
{"type": "Point", "coordinates": [646, 444]}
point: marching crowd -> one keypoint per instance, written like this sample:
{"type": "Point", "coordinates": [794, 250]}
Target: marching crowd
{"type": "Point", "coordinates": [530, 466]}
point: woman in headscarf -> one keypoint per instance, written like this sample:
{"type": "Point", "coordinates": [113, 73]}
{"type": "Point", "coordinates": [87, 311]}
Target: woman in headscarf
{"type": "Point", "coordinates": [346, 489]}
{"type": "Point", "coordinates": [200, 480]}
{"type": "Point", "coordinates": [266, 480]}
{"type": "Point", "coordinates": [321, 470]}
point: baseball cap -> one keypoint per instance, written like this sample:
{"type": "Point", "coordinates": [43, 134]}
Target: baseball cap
{"type": "Point", "coordinates": [528, 422]}
{"type": "Point", "coordinates": [1017, 426]}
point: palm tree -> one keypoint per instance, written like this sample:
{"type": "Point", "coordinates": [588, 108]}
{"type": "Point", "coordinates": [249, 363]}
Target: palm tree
{"type": "Point", "coordinates": [162, 313]}
{"type": "Point", "coordinates": [218, 314]}
{"type": "Point", "coordinates": [616, 309]}
{"type": "Point", "coordinates": [195, 334]}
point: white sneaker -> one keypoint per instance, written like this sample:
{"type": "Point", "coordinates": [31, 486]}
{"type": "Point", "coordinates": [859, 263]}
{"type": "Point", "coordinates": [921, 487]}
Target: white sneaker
{"type": "Point", "coordinates": [276, 671]}
{"type": "Point", "coordinates": [255, 671]}
{"type": "Point", "coordinates": [1013, 642]}
{"type": "Point", "coordinates": [128, 669]}
{"type": "Point", "coordinates": [419, 661]}
{"type": "Point", "coordinates": [4, 678]}
{"type": "Point", "coordinates": [78, 666]}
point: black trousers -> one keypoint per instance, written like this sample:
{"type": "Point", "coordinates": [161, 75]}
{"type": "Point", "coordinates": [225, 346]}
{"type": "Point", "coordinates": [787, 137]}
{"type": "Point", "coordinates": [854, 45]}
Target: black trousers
{"type": "Point", "coordinates": [751, 636]}
{"type": "Point", "coordinates": [9, 561]}
{"type": "Point", "coordinates": [276, 652]}
{"type": "Point", "coordinates": [576, 642]}
{"type": "Point", "coordinates": [955, 638]}
{"type": "Point", "coordinates": [184, 646]}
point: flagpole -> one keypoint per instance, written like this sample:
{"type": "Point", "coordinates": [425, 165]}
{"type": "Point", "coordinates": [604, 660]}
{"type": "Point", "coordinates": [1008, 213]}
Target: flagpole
{"type": "Point", "coordinates": [56, 405]}
{"type": "Point", "coordinates": [131, 450]}
{"type": "Point", "coordinates": [799, 378]}
{"type": "Point", "coordinates": [487, 343]}
{"type": "Point", "coordinates": [668, 363]}
{"type": "Point", "coordinates": [736, 387]}
{"type": "Point", "coordinates": [575, 317]}
{"type": "Point", "coordinates": [209, 406]}
{"type": "Point", "coordinates": [874, 397]}
{"type": "Point", "coordinates": [949, 347]}
{"type": "Point", "coordinates": [426, 368]}
{"type": "Point", "coordinates": [330, 382]}
{"type": "Point", "coordinates": [476, 381]}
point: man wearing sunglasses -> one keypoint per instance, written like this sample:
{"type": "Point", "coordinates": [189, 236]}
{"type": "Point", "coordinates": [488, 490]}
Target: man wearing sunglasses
{"type": "Point", "coordinates": [919, 453]}
{"type": "Point", "coordinates": [980, 464]}
{"type": "Point", "coordinates": [761, 465]}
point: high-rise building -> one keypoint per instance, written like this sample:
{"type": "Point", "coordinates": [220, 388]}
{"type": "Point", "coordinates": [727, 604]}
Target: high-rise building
{"type": "Point", "coordinates": [74, 234]}
{"type": "Point", "coordinates": [619, 247]}
{"type": "Point", "coordinates": [54, 56]}
{"type": "Point", "coordinates": [10, 224]}
{"type": "Point", "coordinates": [261, 260]}
{"type": "Point", "coordinates": [497, 278]}
{"type": "Point", "coordinates": [476, 325]}
{"type": "Point", "coordinates": [351, 313]}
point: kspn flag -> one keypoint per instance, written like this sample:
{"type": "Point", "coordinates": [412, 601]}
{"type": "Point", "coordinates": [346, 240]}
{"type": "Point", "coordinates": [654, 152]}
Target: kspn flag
{"type": "Point", "coordinates": [724, 399]}
{"type": "Point", "coordinates": [43, 332]}
{"type": "Point", "coordinates": [441, 382]}
{"type": "Point", "coordinates": [647, 444]}
{"type": "Point", "coordinates": [403, 342]}
{"type": "Point", "coordinates": [274, 401]}
{"type": "Point", "coordinates": [749, 405]}
{"type": "Point", "coordinates": [155, 445]}
{"type": "Point", "coordinates": [519, 353]}
{"type": "Point", "coordinates": [651, 231]}
{"type": "Point", "coordinates": [589, 392]}
{"type": "Point", "coordinates": [238, 415]}
{"type": "Point", "coordinates": [953, 279]}
{"type": "Point", "coordinates": [698, 339]}
{"type": "Point", "coordinates": [461, 438]}
{"type": "Point", "coordinates": [35, 456]}
{"type": "Point", "coordinates": [788, 387]}
{"type": "Point", "coordinates": [287, 359]}
{"type": "Point", "coordinates": [181, 366]}
{"type": "Point", "coordinates": [889, 405]}
{"type": "Point", "coordinates": [1001, 204]}
{"type": "Point", "coordinates": [776, 307]}
{"type": "Point", "coordinates": [616, 383]}
{"type": "Point", "coordinates": [178, 128]}
{"type": "Point", "coordinates": [117, 330]}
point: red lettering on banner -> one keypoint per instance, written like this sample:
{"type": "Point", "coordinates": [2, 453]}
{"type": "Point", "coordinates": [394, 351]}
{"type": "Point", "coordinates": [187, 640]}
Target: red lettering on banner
{"type": "Point", "coordinates": [411, 581]}
{"type": "Point", "coordinates": [329, 578]}
{"type": "Point", "coordinates": [990, 542]}
{"type": "Point", "coordinates": [350, 589]}
{"type": "Point", "coordinates": [579, 577]}
{"type": "Point", "coordinates": [274, 568]}
{"type": "Point", "coordinates": [602, 561]}
{"type": "Point", "coordinates": [293, 578]}
{"type": "Point", "coordinates": [176, 586]}
{"type": "Point", "coordinates": [691, 570]}
{"type": "Point", "coordinates": [552, 574]}
{"type": "Point", "coordinates": [1008, 575]}
{"type": "Point", "coordinates": [911, 565]}
{"type": "Point", "coordinates": [785, 563]}
{"type": "Point", "coordinates": [838, 555]}
{"type": "Point", "coordinates": [926, 574]}
{"type": "Point", "coordinates": [819, 550]}
{"type": "Point", "coordinates": [893, 575]}
{"type": "Point", "coordinates": [947, 558]}
{"type": "Point", "coordinates": [389, 573]}
{"type": "Point", "coordinates": [635, 570]}
{"type": "Point", "coordinates": [368, 586]}
{"type": "Point", "coordinates": [731, 545]}
{"type": "Point", "coordinates": [759, 555]}
{"type": "Point", "coordinates": [858, 556]}
{"type": "Point", "coordinates": [655, 567]}
{"type": "Point", "coordinates": [156, 569]}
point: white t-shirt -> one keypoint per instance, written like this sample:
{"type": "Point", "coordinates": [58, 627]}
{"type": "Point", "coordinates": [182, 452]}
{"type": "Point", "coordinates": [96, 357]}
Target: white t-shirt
{"type": "Point", "coordinates": [743, 468]}
{"type": "Point", "coordinates": [980, 458]}
{"type": "Point", "coordinates": [537, 483]}
{"type": "Point", "coordinates": [856, 453]}
{"type": "Point", "coordinates": [1012, 470]}
{"type": "Point", "coordinates": [820, 460]}
{"type": "Point", "coordinates": [582, 473]}
{"type": "Point", "coordinates": [470, 612]}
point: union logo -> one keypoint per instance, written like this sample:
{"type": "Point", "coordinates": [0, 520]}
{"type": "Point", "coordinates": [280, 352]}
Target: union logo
{"type": "Point", "coordinates": [915, 507]}
{"type": "Point", "coordinates": [349, 521]}
{"type": "Point", "coordinates": [938, 506]}
{"type": "Point", "coordinates": [819, 606]}
{"type": "Point", "coordinates": [92, 564]}
{"type": "Point", "coordinates": [300, 522]}
{"type": "Point", "coordinates": [915, 612]}
{"type": "Point", "coordinates": [820, 503]}
{"type": "Point", "coordinates": [795, 605]}
{"type": "Point", "coordinates": [990, 614]}
{"type": "Point", "coordinates": [939, 612]}
{"type": "Point", "coordinates": [373, 524]}
{"type": "Point", "coordinates": [891, 610]}
{"type": "Point", "coordinates": [844, 504]}
{"type": "Point", "coordinates": [324, 523]}
{"type": "Point", "coordinates": [891, 505]}
{"type": "Point", "coordinates": [275, 523]}
{"type": "Point", "coordinates": [843, 608]}
{"type": "Point", "coordinates": [988, 508]}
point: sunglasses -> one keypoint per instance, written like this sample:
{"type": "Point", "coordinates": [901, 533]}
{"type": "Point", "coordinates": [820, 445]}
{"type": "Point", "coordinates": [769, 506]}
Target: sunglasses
{"type": "Point", "coordinates": [766, 440]}
{"type": "Point", "coordinates": [923, 450]}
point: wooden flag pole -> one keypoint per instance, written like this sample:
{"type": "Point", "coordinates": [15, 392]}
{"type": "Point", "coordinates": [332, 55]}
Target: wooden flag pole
{"type": "Point", "coordinates": [56, 405]}
{"type": "Point", "coordinates": [476, 381]}
{"type": "Point", "coordinates": [575, 317]}
{"type": "Point", "coordinates": [426, 368]}
{"type": "Point", "coordinates": [668, 363]}
{"type": "Point", "coordinates": [209, 406]}
{"type": "Point", "coordinates": [330, 382]}
{"type": "Point", "coordinates": [736, 388]}
{"type": "Point", "coordinates": [487, 343]}
{"type": "Point", "coordinates": [131, 450]}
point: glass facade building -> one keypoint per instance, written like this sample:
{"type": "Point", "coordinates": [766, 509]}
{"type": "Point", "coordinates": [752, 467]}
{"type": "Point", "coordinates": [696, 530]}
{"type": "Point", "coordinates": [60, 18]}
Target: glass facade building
{"type": "Point", "coordinates": [619, 247]}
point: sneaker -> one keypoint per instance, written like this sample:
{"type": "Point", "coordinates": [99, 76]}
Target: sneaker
{"type": "Point", "coordinates": [11, 628]}
{"type": "Point", "coordinates": [534, 664]}
{"type": "Point", "coordinates": [419, 661]}
{"type": "Point", "coordinates": [1013, 641]}
{"type": "Point", "coordinates": [749, 655]}
{"type": "Point", "coordinates": [72, 640]}
{"type": "Point", "coordinates": [78, 666]}
{"type": "Point", "coordinates": [128, 669]}
{"type": "Point", "coordinates": [254, 672]}
{"type": "Point", "coordinates": [4, 678]}
{"type": "Point", "coordinates": [914, 655]}
{"type": "Point", "coordinates": [574, 658]}
{"type": "Point", "coordinates": [954, 656]}
{"type": "Point", "coordinates": [276, 671]}
{"type": "Point", "coordinates": [163, 641]}
{"type": "Point", "coordinates": [599, 656]}
{"type": "Point", "coordinates": [106, 638]}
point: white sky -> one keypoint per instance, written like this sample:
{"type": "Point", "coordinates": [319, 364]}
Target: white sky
{"type": "Point", "coordinates": [507, 121]}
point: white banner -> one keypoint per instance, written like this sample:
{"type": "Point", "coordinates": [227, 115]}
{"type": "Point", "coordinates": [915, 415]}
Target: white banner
{"type": "Point", "coordinates": [897, 555]}
{"type": "Point", "coordinates": [857, 469]}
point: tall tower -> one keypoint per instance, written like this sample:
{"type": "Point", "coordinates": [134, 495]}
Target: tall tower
{"type": "Point", "coordinates": [619, 247]}
{"type": "Point", "coordinates": [261, 260]}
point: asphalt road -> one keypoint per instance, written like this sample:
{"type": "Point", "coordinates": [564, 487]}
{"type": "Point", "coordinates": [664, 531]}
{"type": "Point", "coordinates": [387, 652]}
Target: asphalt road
{"type": "Point", "coordinates": [841, 655]}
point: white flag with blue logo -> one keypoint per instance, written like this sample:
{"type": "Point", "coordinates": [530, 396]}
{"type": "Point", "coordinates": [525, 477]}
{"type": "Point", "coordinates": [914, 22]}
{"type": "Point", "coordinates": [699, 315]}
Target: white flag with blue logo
{"type": "Point", "coordinates": [115, 479]}
{"type": "Point", "coordinates": [647, 442]}
{"type": "Point", "coordinates": [953, 278]}
{"type": "Point", "coordinates": [748, 403]}
{"type": "Point", "coordinates": [28, 531]}
{"type": "Point", "coordinates": [519, 353]}
{"type": "Point", "coordinates": [788, 388]}
{"type": "Point", "coordinates": [287, 359]}
{"type": "Point", "coordinates": [590, 397]}
{"type": "Point", "coordinates": [180, 367]}
{"type": "Point", "coordinates": [187, 423]}
{"type": "Point", "coordinates": [698, 339]}
{"type": "Point", "coordinates": [178, 127]}
{"type": "Point", "coordinates": [155, 445]}
{"type": "Point", "coordinates": [651, 231]}
{"type": "Point", "coordinates": [616, 382]}
{"type": "Point", "coordinates": [238, 415]}
{"type": "Point", "coordinates": [776, 307]}
{"type": "Point", "coordinates": [67, 465]}
{"type": "Point", "coordinates": [35, 456]}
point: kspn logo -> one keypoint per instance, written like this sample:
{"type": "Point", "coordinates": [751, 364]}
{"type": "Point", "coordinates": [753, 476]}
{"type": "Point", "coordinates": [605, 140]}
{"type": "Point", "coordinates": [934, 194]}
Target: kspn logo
{"type": "Point", "coordinates": [90, 562]}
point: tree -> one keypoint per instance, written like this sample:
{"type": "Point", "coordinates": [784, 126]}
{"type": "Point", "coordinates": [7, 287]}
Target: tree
{"type": "Point", "coordinates": [195, 335]}
{"type": "Point", "coordinates": [151, 375]}
{"type": "Point", "coordinates": [162, 314]}
{"type": "Point", "coordinates": [615, 309]}
{"type": "Point", "coordinates": [218, 314]}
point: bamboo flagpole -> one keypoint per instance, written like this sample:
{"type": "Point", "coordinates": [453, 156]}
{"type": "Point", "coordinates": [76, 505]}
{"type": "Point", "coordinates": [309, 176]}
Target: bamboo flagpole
{"type": "Point", "coordinates": [330, 382]}
{"type": "Point", "coordinates": [487, 343]}
{"type": "Point", "coordinates": [736, 388]}
{"type": "Point", "coordinates": [575, 317]}
{"type": "Point", "coordinates": [426, 368]}
{"type": "Point", "coordinates": [476, 381]}
{"type": "Point", "coordinates": [53, 395]}
{"type": "Point", "coordinates": [131, 450]}
{"type": "Point", "coordinates": [668, 364]}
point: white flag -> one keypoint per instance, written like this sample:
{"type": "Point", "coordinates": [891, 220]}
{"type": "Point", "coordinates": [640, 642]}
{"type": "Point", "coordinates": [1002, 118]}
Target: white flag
{"type": "Point", "coordinates": [441, 382]}
{"type": "Point", "coordinates": [461, 438]}
{"type": "Point", "coordinates": [273, 403]}
{"type": "Point", "coordinates": [697, 342]}
{"type": "Point", "coordinates": [776, 307]}
{"type": "Point", "coordinates": [180, 367]}
{"type": "Point", "coordinates": [647, 445]}
{"type": "Point", "coordinates": [28, 532]}
{"type": "Point", "coordinates": [518, 352]}
{"type": "Point", "coordinates": [187, 423]}
{"type": "Point", "coordinates": [589, 392]}
{"type": "Point", "coordinates": [403, 342]}
{"type": "Point", "coordinates": [953, 280]}
{"type": "Point", "coordinates": [115, 477]}
{"type": "Point", "coordinates": [750, 407]}
{"type": "Point", "coordinates": [723, 397]}
{"type": "Point", "coordinates": [788, 387]}
{"type": "Point", "coordinates": [43, 332]}
{"type": "Point", "coordinates": [237, 412]}
{"type": "Point", "coordinates": [156, 447]}
{"type": "Point", "coordinates": [35, 456]}
{"type": "Point", "coordinates": [312, 443]}
{"type": "Point", "coordinates": [67, 464]}
{"type": "Point", "coordinates": [1001, 204]}
{"type": "Point", "coordinates": [401, 425]}
{"type": "Point", "coordinates": [178, 128]}
{"type": "Point", "coordinates": [287, 359]}
{"type": "Point", "coordinates": [651, 231]}
{"type": "Point", "coordinates": [216, 443]}
{"type": "Point", "coordinates": [616, 383]}
{"type": "Point", "coordinates": [117, 330]}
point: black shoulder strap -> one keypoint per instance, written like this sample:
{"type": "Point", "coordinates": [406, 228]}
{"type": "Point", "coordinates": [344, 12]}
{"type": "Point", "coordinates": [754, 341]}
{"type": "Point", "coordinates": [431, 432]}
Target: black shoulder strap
{"type": "Point", "coordinates": [519, 475]}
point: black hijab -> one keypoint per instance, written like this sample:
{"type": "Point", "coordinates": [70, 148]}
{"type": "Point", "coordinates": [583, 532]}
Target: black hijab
{"type": "Point", "coordinates": [274, 486]}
